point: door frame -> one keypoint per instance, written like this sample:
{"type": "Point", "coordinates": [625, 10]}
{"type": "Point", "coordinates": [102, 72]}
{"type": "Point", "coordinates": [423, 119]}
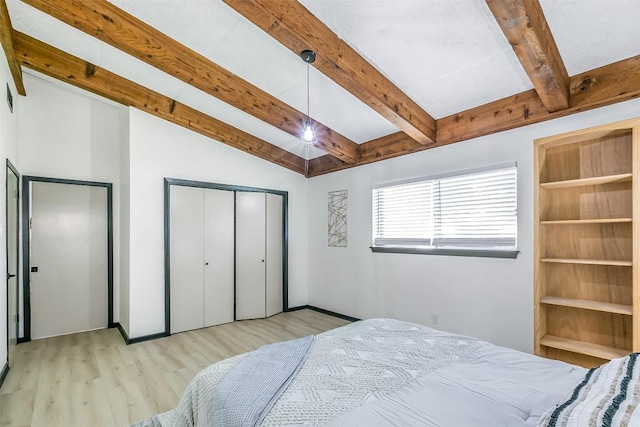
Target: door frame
{"type": "Point", "coordinates": [12, 168]}
{"type": "Point", "coordinates": [168, 182]}
{"type": "Point", "coordinates": [26, 244]}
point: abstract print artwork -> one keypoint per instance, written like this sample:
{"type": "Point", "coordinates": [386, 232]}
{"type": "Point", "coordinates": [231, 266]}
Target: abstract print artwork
{"type": "Point", "coordinates": [338, 218]}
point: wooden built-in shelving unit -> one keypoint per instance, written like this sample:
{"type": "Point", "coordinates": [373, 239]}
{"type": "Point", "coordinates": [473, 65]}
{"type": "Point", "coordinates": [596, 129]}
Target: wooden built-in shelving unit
{"type": "Point", "coordinates": [587, 216]}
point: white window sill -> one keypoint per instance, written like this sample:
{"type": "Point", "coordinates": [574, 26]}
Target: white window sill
{"type": "Point", "coordinates": [483, 253]}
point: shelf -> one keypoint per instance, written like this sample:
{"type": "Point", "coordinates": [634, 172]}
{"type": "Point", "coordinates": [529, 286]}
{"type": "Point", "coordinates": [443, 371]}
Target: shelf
{"type": "Point", "coordinates": [595, 350]}
{"type": "Point", "coordinates": [598, 180]}
{"type": "Point", "coordinates": [588, 305]}
{"type": "Point", "coordinates": [586, 221]}
{"type": "Point", "coordinates": [612, 262]}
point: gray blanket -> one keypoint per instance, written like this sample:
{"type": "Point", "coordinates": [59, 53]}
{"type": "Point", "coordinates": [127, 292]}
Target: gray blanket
{"type": "Point", "coordinates": [248, 392]}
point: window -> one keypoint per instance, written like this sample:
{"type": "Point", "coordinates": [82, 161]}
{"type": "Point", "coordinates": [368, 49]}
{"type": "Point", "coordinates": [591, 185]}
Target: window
{"type": "Point", "coordinates": [469, 213]}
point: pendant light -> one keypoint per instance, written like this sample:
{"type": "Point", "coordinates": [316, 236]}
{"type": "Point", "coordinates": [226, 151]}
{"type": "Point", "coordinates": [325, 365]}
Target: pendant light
{"type": "Point", "coordinates": [308, 136]}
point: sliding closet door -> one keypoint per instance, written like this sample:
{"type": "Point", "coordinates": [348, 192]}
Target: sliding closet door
{"type": "Point", "coordinates": [218, 257]}
{"type": "Point", "coordinates": [187, 249]}
{"type": "Point", "coordinates": [274, 236]}
{"type": "Point", "coordinates": [250, 255]}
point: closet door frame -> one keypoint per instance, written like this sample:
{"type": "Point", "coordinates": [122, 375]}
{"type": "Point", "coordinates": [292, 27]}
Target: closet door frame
{"type": "Point", "coordinates": [26, 245]}
{"type": "Point", "coordinates": [168, 182]}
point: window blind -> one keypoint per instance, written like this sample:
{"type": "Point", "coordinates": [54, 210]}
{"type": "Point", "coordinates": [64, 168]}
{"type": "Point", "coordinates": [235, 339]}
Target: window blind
{"type": "Point", "coordinates": [471, 210]}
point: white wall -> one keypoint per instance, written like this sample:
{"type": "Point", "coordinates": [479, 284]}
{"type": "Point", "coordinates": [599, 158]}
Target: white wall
{"type": "Point", "coordinates": [66, 133]}
{"type": "Point", "coordinates": [8, 147]}
{"type": "Point", "coordinates": [487, 298]}
{"type": "Point", "coordinates": [160, 149]}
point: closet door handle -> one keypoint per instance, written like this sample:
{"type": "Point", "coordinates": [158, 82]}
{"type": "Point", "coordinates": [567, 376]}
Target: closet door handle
{"type": "Point", "coordinates": [206, 263]}
{"type": "Point", "coordinates": [262, 260]}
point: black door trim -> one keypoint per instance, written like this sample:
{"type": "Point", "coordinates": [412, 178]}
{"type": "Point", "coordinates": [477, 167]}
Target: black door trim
{"type": "Point", "coordinates": [26, 262]}
{"type": "Point", "coordinates": [168, 182]}
{"type": "Point", "coordinates": [13, 169]}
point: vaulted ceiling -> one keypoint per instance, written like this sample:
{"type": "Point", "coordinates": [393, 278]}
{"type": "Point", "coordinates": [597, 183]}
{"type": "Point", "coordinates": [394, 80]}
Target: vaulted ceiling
{"type": "Point", "coordinates": [391, 77]}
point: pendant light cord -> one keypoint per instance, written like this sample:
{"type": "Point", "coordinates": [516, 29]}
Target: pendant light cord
{"type": "Point", "coordinates": [306, 158]}
{"type": "Point", "coordinates": [308, 118]}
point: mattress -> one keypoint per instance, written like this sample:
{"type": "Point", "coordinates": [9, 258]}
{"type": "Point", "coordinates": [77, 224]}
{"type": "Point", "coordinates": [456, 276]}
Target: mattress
{"type": "Point", "coordinates": [389, 372]}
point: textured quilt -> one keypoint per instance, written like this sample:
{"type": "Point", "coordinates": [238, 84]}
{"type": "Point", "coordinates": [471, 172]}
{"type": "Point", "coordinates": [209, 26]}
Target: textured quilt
{"type": "Point", "coordinates": [345, 368]}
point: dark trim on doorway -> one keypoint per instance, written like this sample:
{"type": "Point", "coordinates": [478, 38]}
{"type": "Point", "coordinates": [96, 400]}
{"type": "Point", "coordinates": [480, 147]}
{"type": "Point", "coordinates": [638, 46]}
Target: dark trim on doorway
{"type": "Point", "coordinates": [168, 182]}
{"type": "Point", "coordinates": [26, 297]}
{"type": "Point", "coordinates": [285, 252]}
{"type": "Point", "coordinates": [26, 262]}
{"type": "Point", "coordinates": [3, 373]}
{"type": "Point", "coordinates": [167, 266]}
{"type": "Point", "coordinates": [124, 334]}
{"type": "Point", "coordinates": [323, 311]}
{"type": "Point", "coordinates": [128, 340]}
{"type": "Point", "coordinates": [13, 169]}
{"type": "Point", "coordinates": [146, 338]}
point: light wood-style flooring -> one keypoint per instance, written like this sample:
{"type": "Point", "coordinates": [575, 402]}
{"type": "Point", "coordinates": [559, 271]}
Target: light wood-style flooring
{"type": "Point", "coordinates": [95, 379]}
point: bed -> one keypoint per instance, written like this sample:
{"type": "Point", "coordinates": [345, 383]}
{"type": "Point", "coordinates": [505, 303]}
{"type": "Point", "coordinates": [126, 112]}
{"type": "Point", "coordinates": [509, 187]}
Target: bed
{"type": "Point", "coordinates": [382, 372]}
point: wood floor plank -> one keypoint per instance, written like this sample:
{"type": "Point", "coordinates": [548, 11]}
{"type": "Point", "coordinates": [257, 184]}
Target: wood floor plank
{"type": "Point", "coordinates": [28, 377]}
{"type": "Point", "coordinates": [84, 411]}
{"type": "Point", "coordinates": [155, 390]}
{"type": "Point", "coordinates": [12, 408]}
{"type": "Point", "coordinates": [52, 405]}
{"type": "Point", "coordinates": [95, 379]}
{"type": "Point", "coordinates": [129, 406]}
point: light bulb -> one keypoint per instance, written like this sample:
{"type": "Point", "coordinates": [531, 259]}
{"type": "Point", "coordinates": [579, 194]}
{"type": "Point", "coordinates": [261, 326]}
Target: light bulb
{"type": "Point", "coordinates": [308, 134]}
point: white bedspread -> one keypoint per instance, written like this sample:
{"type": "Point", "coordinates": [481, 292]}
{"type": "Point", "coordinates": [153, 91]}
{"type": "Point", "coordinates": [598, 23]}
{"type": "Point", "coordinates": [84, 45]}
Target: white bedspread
{"type": "Point", "coordinates": [383, 372]}
{"type": "Point", "coordinates": [494, 387]}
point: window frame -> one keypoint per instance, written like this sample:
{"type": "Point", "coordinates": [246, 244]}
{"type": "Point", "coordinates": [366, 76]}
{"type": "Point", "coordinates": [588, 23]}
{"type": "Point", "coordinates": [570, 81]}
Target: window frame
{"type": "Point", "coordinates": [424, 250]}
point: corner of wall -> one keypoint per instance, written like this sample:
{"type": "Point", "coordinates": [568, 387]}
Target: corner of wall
{"type": "Point", "coordinates": [125, 222]}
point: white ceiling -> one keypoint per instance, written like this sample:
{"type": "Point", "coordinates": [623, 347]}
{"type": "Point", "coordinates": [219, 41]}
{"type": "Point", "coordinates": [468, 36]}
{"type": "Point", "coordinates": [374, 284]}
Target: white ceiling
{"type": "Point", "coordinates": [447, 55]}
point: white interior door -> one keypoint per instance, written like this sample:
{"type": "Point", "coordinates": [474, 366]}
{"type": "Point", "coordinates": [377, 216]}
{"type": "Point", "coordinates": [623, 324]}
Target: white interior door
{"type": "Point", "coordinates": [250, 255]}
{"type": "Point", "coordinates": [274, 236]}
{"type": "Point", "coordinates": [12, 260]}
{"type": "Point", "coordinates": [69, 250]}
{"type": "Point", "coordinates": [218, 257]}
{"type": "Point", "coordinates": [187, 258]}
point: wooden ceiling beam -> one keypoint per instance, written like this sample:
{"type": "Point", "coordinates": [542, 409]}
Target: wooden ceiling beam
{"type": "Point", "coordinates": [296, 28]}
{"type": "Point", "coordinates": [383, 148]}
{"type": "Point", "coordinates": [36, 55]}
{"type": "Point", "coordinates": [606, 85]}
{"type": "Point", "coordinates": [6, 38]}
{"type": "Point", "coordinates": [114, 26]}
{"type": "Point", "coordinates": [596, 88]}
{"type": "Point", "coordinates": [525, 26]}
{"type": "Point", "coordinates": [324, 165]}
{"type": "Point", "coordinates": [387, 147]}
{"type": "Point", "coordinates": [599, 87]}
